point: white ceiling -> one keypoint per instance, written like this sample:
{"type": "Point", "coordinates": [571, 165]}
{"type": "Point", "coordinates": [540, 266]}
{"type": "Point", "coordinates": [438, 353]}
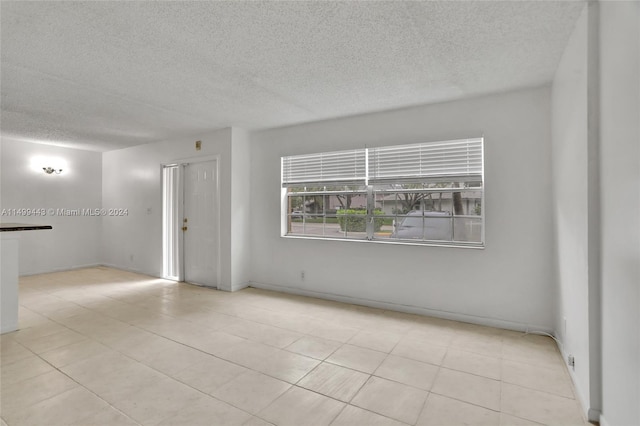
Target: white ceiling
{"type": "Point", "coordinates": [107, 75]}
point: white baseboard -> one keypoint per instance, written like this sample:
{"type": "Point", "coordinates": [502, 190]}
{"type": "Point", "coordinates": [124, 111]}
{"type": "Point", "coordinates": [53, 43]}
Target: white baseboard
{"type": "Point", "coordinates": [70, 268]}
{"type": "Point", "coordinates": [240, 286]}
{"type": "Point", "coordinates": [129, 269]}
{"type": "Point", "coordinates": [8, 328]}
{"type": "Point", "coordinates": [603, 421]}
{"type": "Point", "coordinates": [591, 414]}
{"type": "Point", "coordinates": [594, 415]}
{"type": "Point", "coordinates": [410, 309]}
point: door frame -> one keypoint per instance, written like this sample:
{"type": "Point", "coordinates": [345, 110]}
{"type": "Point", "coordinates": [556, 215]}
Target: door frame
{"type": "Point", "coordinates": [179, 218]}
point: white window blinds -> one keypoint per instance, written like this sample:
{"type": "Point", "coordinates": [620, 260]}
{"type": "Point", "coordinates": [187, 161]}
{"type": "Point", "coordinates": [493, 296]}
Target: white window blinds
{"type": "Point", "coordinates": [340, 167]}
{"type": "Point", "coordinates": [458, 160]}
{"type": "Point", "coordinates": [450, 159]}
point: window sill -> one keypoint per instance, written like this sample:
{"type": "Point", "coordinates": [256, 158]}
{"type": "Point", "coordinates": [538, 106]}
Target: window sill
{"type": "Point", "coordinates": [395, 242]}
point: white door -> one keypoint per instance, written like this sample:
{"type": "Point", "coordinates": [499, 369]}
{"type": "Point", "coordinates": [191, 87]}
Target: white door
{"type": "Point", "coordinates": [200, 223]}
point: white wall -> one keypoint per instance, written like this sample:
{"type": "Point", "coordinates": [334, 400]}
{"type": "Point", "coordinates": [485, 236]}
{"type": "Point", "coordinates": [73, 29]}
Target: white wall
{"type": "Point", "coordinates": [510, 283]}
{"type": "Point", "coordinates": [240, 208]}
{"type": "Point", "coordinates": [571, 193]}
{"type": "Point", "coordinates": [74, 241]}
{"type": "Point", "coordinates": [620, 182]}
{"type": "Point", "coordinates": [132, 180]}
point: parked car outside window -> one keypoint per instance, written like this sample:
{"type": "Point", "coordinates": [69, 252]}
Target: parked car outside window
{"type": "Point", "coordinates": [418, 225]}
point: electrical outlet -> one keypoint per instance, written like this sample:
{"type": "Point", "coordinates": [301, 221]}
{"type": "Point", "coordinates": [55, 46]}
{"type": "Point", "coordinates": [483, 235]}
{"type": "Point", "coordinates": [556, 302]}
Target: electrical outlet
{"type": "Point", "coordinates": [571, 361]}
{"type": "Point", "coordinates": [130, 258]}
{"type": "Point", "coordinates": [301, 275]}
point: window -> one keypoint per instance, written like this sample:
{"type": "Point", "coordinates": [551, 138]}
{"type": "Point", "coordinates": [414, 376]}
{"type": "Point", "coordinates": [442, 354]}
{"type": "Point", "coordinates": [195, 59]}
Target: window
{"type": "Point", "coordinates": [427, 193]}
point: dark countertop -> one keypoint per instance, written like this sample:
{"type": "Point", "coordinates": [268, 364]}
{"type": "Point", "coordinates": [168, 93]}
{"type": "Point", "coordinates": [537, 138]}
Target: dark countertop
{"type": "Point", "coordinates": [9, 227]}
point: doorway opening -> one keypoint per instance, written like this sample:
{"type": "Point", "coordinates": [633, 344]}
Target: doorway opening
{"type": "Point", "coordinates": [190, 221]}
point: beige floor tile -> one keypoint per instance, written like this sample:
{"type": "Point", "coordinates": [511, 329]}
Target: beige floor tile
{"type": "Point", "coordinates": [468, 387]}
{"type": "Point", "coordinates": [263, 333]}
{"type": "Point", "coordinates": [214, 343]}
{"type": "Point", "coordinates": [26, 336]}
{"type": "Point", "coordinates": [314, 347]}
{"type": "Point", "coordinates": [207, 411]}
{"type": "Point", "coordinates": [408, 371]}
{"type": "Point", "coordinates": [129, 340]}
{"type": "Point", "coordinates": [108, 416]}
{"type": "Point", "coordinates": [380, 341]}
{"type": "Point", "coordinates": [248, 353]}
{"type": "Point", "coordinates": [165, 355]}
{"type": "Point", "coordinates": [334, 332]}
{"type": "Point", "coordinates": [443, 411]}
{"type": "Point", "coordinates": [67, 312]}
{"type": "Point", "coordinates": [52, 341]}
{"type": "Point", "coordinates": [533, 353]}
{"type": "Point", "coordinates": [105, 332]}
{"type": "Point", "coordinates": [251, 391]}
{"type": "Point", "coordinates": [528, 341]}
{"type": "Point", "coordinates": [111, 375]}
{"type": "Point", "coordinates": [391, 399]}
{"type": "Point", "coordinates": [164, 325]}
{"type": "Point", "coordinates": [231, 306]}
{"type": "Point", "coordinates": [256, 421]}
{"type": "Point", "coordinates": [155, 401]}
{"type": "Point", "coordinates": [356, 358]}
{"type": "Point", "coordinates": [360, 317]}
{"type": "Point", "coordinates": [79, 321]}
{"type": "Point", "coordinates": [28, 318]}
{"type": "Point", "coordinates": [539, 406]}
{"type": "Point", "coordinates": [100, 364]}
{"type": "Point", "coordinates": [209, 374]}
{"type": "Point", "coordinates": [509, 420]}
{"type": "Point", "coordinates": [420, 351]}
{"type": "Point", "coordinates": [300, 407]}
{"type": "Point", "coordinates": [44, 303]}
{"type": "Point", "coordinates": [210, 319]}
{"type": "Point", "coordinates": [354, 416]}
{"type": "Point", "coordinates": [69, 354]}
{"type": "Point", "coordinates": [334, 381]}
{"type": "Point", "coordinates": [69, 408]}
{"type": "Point", "coordinates": [287, 366]}
{"type": "Point", "coordinates": [475, 331]}
{"type": "Point", "coordinates": [271, 361]}
{"type": "Point", "coordinates": [299, 323]}
{"type": "Point", "coordinates": [24, 369]}
{"type": "Point", "coordinates": [473, 363]}
{"type": "Point", "coordinates": [537, 377]}
{"type": "Point", "coordinates": [88, 321]}
{"type": "Point", "coordinates": [27, 392]}
{"type": "Point", "coordinates": [12, 351]}
{"type": "Point", "coordinates": [392, 322]}
{"type": "Point", "coordinates": [482, 344]}
{"type": "Point", "coordinates": [436, 334]}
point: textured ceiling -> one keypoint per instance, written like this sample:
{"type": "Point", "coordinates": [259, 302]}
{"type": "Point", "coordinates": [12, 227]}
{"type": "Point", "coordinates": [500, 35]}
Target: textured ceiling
{"type": "Point", "coordinates": [107, 75]}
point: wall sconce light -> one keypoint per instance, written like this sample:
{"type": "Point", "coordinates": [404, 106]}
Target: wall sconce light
{"type": "Point", "coordinates": [49, 170]}
{"type": "Point", "coordinates": [49, 165]}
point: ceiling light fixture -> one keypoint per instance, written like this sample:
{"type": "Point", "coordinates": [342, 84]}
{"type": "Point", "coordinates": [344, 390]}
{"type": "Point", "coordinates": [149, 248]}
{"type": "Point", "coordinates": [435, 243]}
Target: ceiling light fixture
{"type": "Point", "coordinates": [50, 170]}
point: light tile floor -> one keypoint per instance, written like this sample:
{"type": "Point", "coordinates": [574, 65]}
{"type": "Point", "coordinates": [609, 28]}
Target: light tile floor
{"type": "Point", "coordinates": [100, 346]}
